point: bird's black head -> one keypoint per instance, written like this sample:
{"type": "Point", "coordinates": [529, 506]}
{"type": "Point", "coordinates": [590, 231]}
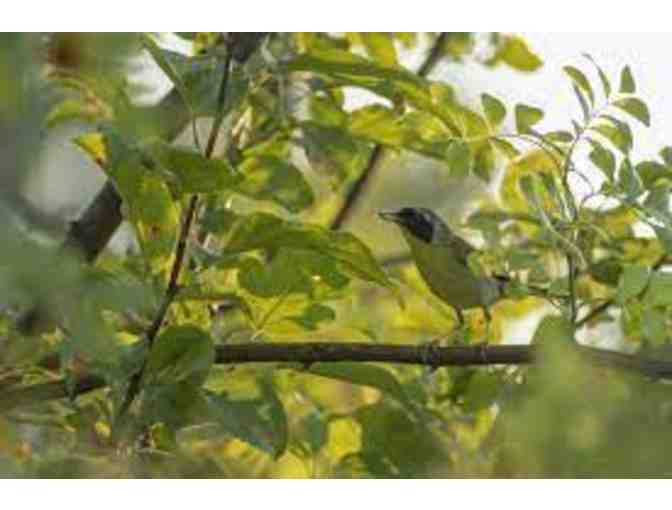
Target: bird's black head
{"type": "Point", "coordinates": [418, 221]}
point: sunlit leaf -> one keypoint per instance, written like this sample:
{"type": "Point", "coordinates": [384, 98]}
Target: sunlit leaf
{"type": "Point", "coordinates": [494, 109]}
{"type": "Point", "coordinates": [526, 117]}
{"type": "Point", "coordinates": [515, 52]}
{"type": "Point", "coordinates": [380, 46]}
{"type": "Point", "coordinates": [363, 374]}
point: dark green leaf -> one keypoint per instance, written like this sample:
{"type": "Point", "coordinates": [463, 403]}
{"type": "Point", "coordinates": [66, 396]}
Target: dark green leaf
{"type": "Point", "coordinates": [603, 159]}
{"type": "Point", "coordinates": [267, 232]}
{"type": "Point", "coordinates": [180, 353]}
{"type": "Point", "coordinates": [635, 107]}
{"type": "Point", "coordinates": [260, 422]}
{"type": "Point", "coordinates": [628, 180]}
{"type": "Point", "coordinates": [580, 81]}
{"type": "Point", "coordinates": [585, 109]}
{"type": "Point", "coordinates": [616, 131]}
{"type": "Point", "coordinates": [666, 155]}
{"type": "Point", "coordinates": [651, 171]}
{"type": "Point", "coordinates": [606, 86]}
{"type": "Point", "coordinates": [627, 81]}
{"type": "Point", "coordinates": [188, 171]}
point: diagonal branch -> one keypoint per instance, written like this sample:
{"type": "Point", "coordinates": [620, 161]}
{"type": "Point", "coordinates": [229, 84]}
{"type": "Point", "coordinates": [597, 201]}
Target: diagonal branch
{"type": "Point", "coordinates": [359, 186]}
{"type": "Point", "coordinates": [306, 354]}
{"type": "Point", "coordinates": [180, 251]}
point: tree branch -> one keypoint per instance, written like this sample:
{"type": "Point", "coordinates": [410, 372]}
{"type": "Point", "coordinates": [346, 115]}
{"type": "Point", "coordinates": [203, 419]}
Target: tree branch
{"type": "Point", "coordinates": [359, 186]}
{"type": "Point", "coordinates": [309, 353]}
{"type": "Point", "coordinates": [181, 249]}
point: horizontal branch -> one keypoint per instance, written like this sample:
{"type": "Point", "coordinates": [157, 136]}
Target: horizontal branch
{"type": "Point", "coordinates": [319, 352]}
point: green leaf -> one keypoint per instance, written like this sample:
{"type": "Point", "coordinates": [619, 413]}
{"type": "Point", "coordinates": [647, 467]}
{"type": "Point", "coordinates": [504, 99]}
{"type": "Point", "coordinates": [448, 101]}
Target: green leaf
{"type": "Point", "coordinates": [580, 81]}
{"type": "Point", "coordinates": [585, 109]}
{"type": "Point", "coordinates": [196, 78]}
{"type": "Point", "coordinates": [363, 374]}
{"type": "Point", "coordinates": [312, 316]}
{"type": "Point", "coordinates": [380, 46]}
{"type": "Point", "coordinates": [459, 159]}
{"type": "Point", "coordinates": [515, 52]}
{"type": "Point", "coordinates": [658, 201]}
{"type": "Point", "coordinates": [635, 107]}
{"type": "Point", "coordinates": [262, 231]}
{"type": "Point", "coordinates": [559, 137]}
{"type": "Point", "coordinates": [616, 131]}
{"type": "Point", "coordinates": [654, 326]}
{"type": "Point", "coordinates": [180, 353]}
{"type": "Point", "coordinates": [652, 171]}
{"type": "Point", "coordinates": [505, 147]}
{"type": "Point", "coordinates": [628, 180]}
{"type": "Point", "coordinates": [666, 155]}
{"type": "Point", "coordinates": [664, 235]}
{"type": "Point", "coordinates": [526, 117]}
{"type": "Point", "coordinates": [603, 159]}
{"type": "Point", "coordinates": [276, 180]}
{"type": "Point", "coordinates": [73, 109]}
{"type": "Point", "coordinates": [378, 124]}
{"type": "Point", "coordinates": [633, 281]}
{"type": "Point", "coordinates": [151, 208]}
{"type": "Point", "coordinates": [483, 390]}
{"type": "Point", "coordinates": [606, 86]}
{"type": "Point", "coordinates": [333, 151]}
{"type": "Point", "coordinates": [494, 109]}
{"type": "Point", "coordinates": [188, 171]}
{"type": "Point", "coordinates": [260, 422]}
{"type": "Point", "coordinates": [659, 292]}
{"type": "Point", "coordinates": [413, 454]}
{"type": "Point", "coordinates": [554, 330]}
{"type": "Point", "coordinates": [627, 81]}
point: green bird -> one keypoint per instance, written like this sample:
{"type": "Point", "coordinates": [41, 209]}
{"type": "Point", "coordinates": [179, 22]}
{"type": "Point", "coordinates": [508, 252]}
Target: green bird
{"type": "Point", "coordinates": [442, 259]}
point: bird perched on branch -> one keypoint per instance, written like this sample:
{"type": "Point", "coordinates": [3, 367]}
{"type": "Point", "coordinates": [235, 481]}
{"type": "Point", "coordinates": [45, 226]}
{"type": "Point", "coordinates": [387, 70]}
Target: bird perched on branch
{"type": "Point", "coordinates": [442, 259]}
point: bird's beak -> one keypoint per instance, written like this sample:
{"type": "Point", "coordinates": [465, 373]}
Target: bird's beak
{"type": "Point", "coordinates": [392, 216]}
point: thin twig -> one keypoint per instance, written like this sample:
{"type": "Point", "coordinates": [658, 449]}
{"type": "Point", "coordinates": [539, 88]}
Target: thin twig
{"type": "Point", "coordinates": [180, 251]}
{"type": "Point", "coordinates": [360, 185]}
{"type": "Point", "coordinates": [307, 354]}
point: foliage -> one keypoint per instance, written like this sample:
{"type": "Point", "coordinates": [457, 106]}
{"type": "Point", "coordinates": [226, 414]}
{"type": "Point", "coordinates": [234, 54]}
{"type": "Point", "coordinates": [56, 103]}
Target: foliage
{"type": "Point", "coordinates": [262, 265]}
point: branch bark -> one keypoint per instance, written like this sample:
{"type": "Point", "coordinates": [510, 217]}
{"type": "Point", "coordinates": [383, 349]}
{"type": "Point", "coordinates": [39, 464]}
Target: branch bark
{"type": "Point", "coordinates": [309, 353]}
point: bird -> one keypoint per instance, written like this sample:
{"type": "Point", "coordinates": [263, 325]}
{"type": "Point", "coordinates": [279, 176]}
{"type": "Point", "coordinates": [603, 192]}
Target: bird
{"type": "Point", "coordinates": [441, 257]}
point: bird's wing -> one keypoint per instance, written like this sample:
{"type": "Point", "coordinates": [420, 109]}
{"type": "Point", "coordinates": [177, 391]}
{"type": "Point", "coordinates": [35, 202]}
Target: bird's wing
{"type": "Point", "coordinates": [461, 249]}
